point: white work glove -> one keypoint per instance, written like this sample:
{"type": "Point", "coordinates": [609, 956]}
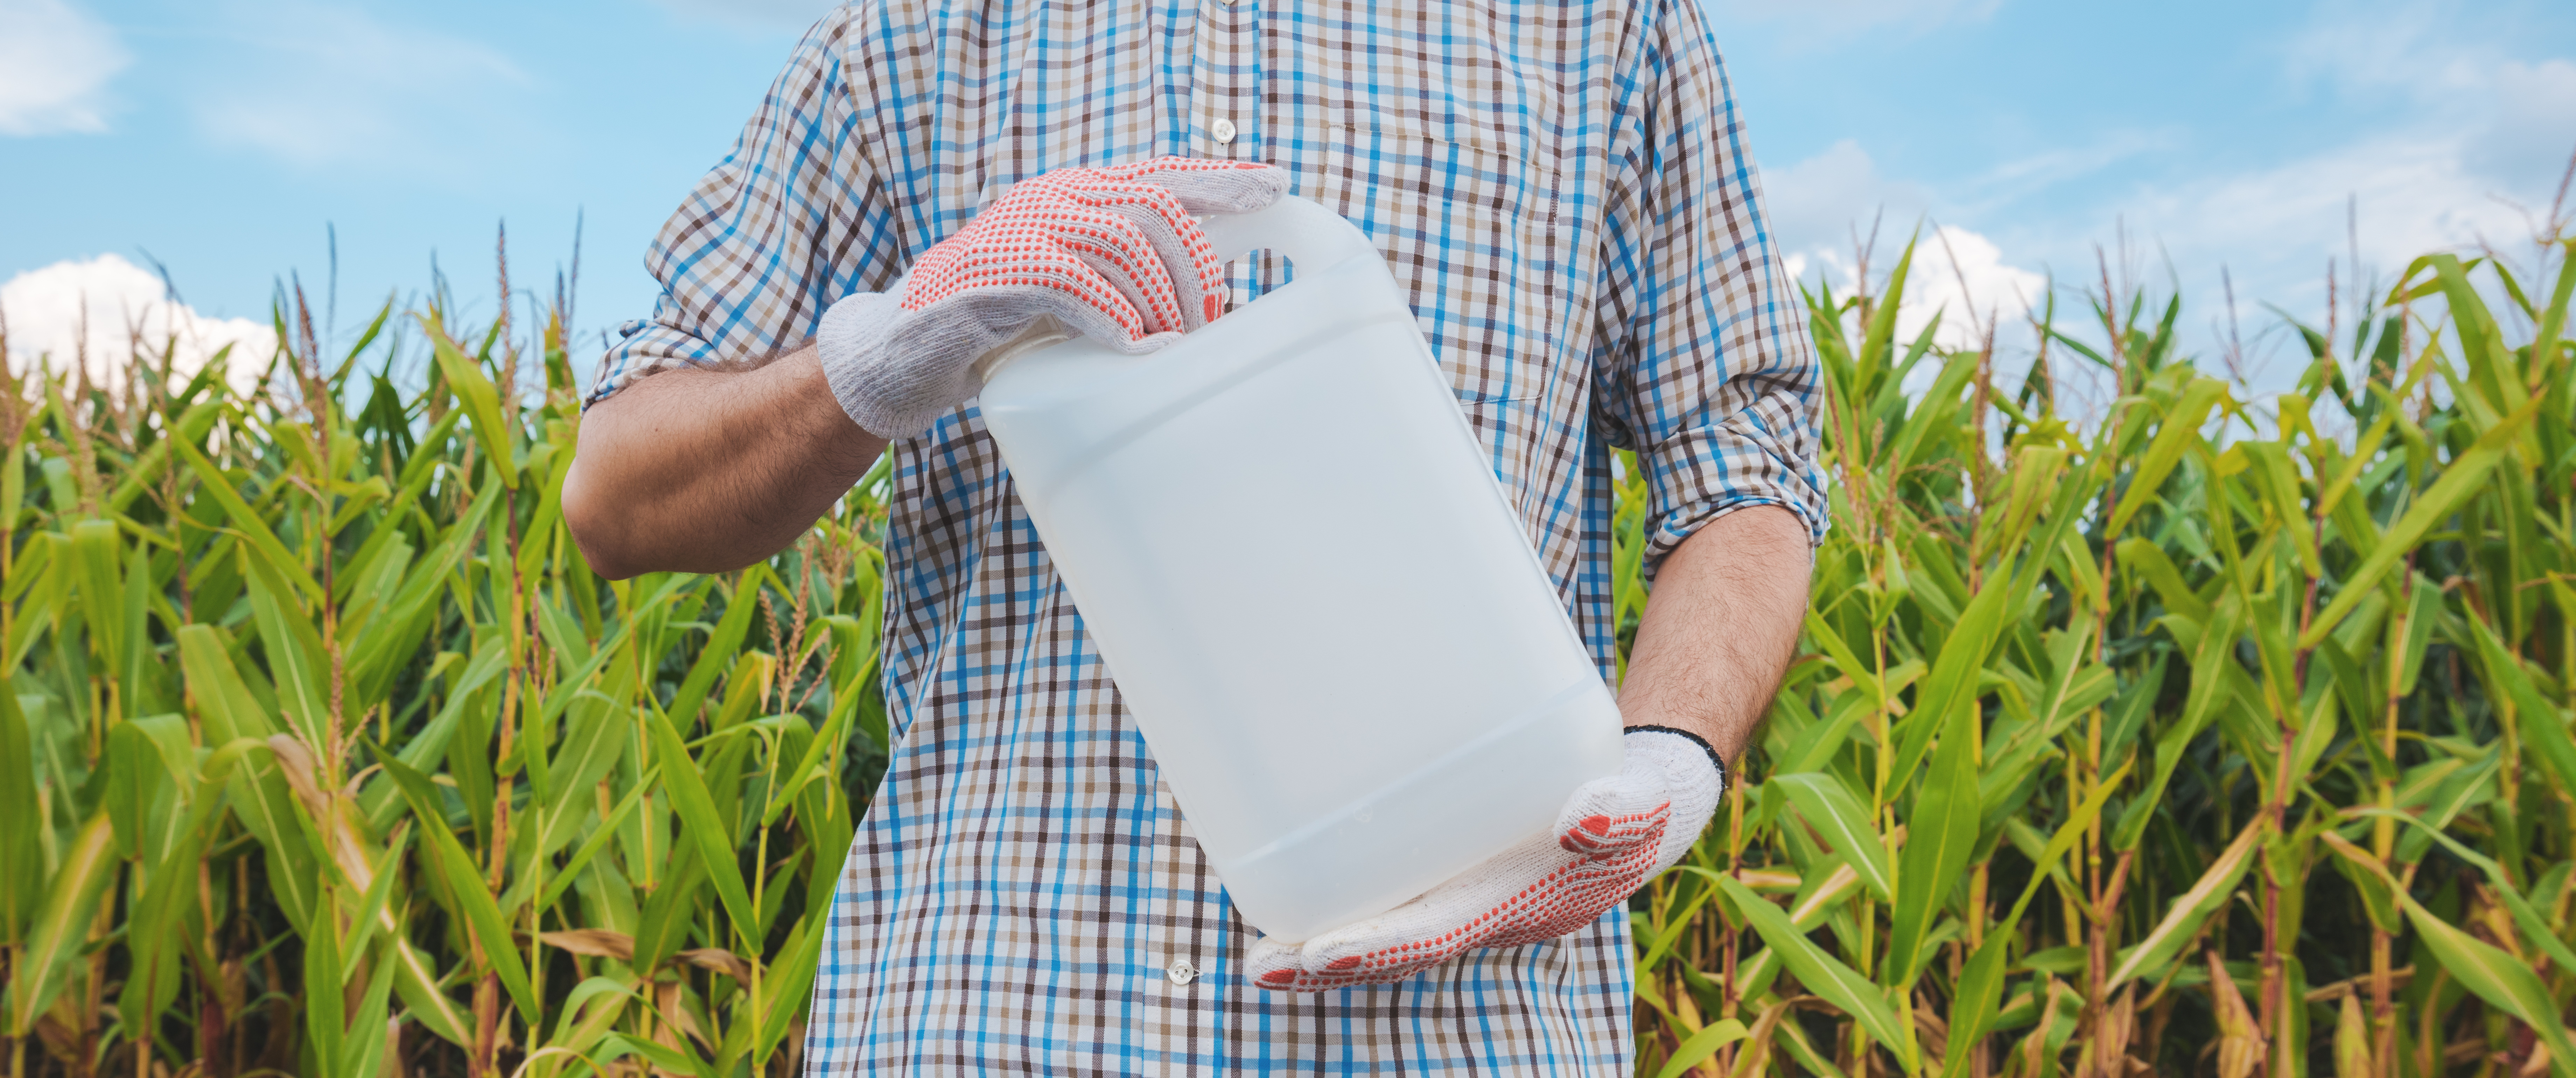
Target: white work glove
{"type": "Point", "coordinates": [1110, 253]}
{"type": "Point", "coordinates": [1613, 835]}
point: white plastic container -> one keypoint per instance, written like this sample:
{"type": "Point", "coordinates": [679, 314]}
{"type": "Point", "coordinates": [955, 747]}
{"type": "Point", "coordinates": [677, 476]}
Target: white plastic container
{"type": "Point", "coordinates": [1305, 580]}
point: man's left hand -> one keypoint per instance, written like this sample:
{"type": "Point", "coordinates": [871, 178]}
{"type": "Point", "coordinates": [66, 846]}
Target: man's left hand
{"type": "Point", "coordinates": [1613, 835]}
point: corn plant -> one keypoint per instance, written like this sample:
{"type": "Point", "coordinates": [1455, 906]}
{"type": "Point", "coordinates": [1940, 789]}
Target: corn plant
{"type": "Point", "coordinates": [323, 752]}
{"type": "Point", "coordinates": [2218, 731]}
{"type": "Point", "coordinates": [2227, 732]}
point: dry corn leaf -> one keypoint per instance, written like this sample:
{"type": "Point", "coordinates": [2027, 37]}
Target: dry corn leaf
{"type": "Point", "coordinates": [2240, 1044]}
{"type": "Point", "coordinates": [595, 942]}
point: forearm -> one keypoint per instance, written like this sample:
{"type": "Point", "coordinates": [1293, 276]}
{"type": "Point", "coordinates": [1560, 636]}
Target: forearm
{"type": "Point", "coordinates": [709, 471]}
{"type": "Point", "coordinates": [1720, 628]}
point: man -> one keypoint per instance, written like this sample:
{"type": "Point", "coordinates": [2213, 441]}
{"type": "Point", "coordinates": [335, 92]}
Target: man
{"type": "Point", "coordinates": [1565, 193]}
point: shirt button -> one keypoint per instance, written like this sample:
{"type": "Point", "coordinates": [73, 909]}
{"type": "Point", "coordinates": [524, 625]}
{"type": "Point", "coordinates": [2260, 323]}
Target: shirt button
{"type": "Point", "coordinates": [1181, 972]}
{"type": "Point", "coordinates": [1222, 131]}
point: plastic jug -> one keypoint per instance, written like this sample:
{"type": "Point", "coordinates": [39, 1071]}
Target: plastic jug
{"type": "Point", "coordinates": [1303, 576]}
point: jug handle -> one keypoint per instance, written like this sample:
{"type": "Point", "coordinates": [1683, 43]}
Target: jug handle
{"type": "Point", "coordinates": [1309, 236]}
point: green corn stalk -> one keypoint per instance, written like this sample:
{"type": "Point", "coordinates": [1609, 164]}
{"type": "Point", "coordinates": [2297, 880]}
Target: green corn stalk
{"type": "Point", "coordinates": [2210, 641]}
{"type": "Point", "coordinates": [323, 752]}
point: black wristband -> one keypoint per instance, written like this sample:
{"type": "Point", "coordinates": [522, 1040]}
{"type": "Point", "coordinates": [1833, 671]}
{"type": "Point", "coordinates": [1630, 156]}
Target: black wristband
{"type": "Point", "coordinates": [1695, 739]}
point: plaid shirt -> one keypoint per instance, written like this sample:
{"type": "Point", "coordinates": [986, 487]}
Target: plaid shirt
{"type": "Point", "coordinates": [1566, 193]}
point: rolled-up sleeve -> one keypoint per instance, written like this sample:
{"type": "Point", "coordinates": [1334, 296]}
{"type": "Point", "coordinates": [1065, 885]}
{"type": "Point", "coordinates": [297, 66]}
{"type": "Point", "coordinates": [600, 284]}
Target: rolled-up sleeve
{"type": "Point", "coordinates": [790, 221]}
{"type": "Point", "coordinates": [1701, 356]}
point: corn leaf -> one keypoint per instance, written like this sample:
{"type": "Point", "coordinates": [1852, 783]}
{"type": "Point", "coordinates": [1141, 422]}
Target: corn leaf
{"type": "Point", "coordinates": [2179, 430]}
{"type": "Point", "coordinates": [2184, 915]}
{"type": "Point", "coordinates": [1702, 1045]}
{"type": "Point", "coordinates": [699, 820]}
{"type": "Point", "coordinates": [1981, 983]}
{"type": "Point", "coordinates": [61, 927]}
{"type": "Point", "coordinates": [2542, 725]}
{"type": "Point", "coordinates": [247, 523]}
{"type": "Point", "coordinates": [2466, 474]}
{"type": "Point", "coordinates": [2496, 977]}
{"type": "Point", "coordinates": [22, 868]}
{"type": "Point", "coordinates": [1829, 806]}
{"type": "Point", "coordinates": [464, 884]}
{"type": "Point", "coordinates": [1952, 686]}
{"type": "Point", "coordinates": [482, 402]}
{"type": "Point", "coordinates": [1822, 973]}
{"type": "Point", "coordinates": [1940, 836]}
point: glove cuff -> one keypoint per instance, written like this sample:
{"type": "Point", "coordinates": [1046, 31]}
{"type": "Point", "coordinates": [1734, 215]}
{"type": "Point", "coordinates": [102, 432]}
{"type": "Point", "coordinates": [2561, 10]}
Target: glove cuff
{"type": "Point", "coordinates": [1713, 759]}
{"type": "Point", "coordinates": [1693, 779]}
{"type": "Point", "coordinates": [850, 343]}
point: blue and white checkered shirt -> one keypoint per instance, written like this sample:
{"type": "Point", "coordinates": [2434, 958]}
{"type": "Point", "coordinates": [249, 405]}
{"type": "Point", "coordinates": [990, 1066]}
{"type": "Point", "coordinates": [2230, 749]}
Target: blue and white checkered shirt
{"type": "Point", "coordinates": [1566, 192]}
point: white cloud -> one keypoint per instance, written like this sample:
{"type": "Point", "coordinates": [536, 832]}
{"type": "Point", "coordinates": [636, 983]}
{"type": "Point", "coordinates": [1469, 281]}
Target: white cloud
{"type": "Point", "coordinates": [2456, 140]}
{"type": "Point", "coordinates": [2010, 183]}
{"type": "Point", "coordinates": [2274, 229]}
{"type": "Point", "coordinates": [1963, 277]}
{"type": "Point", "coordinates": [55, 61]}
{"type": "Point", "coordinates": [2531, 126]}
{"type": "Point", "coordinates": [2414, 194]}
{"type": "Point", "coordinates": [2445, 74]}
{"type": "Point", "coordinates": [2467, 123]}
{"type": "Point", "coordinates": [2468, 151]}
{"type": "Point", "coordinates": [1822, 210]}
{"type": "Point", "coordinates": [2414, 49]}
{"type": "Point", "coordinates": [95, 310]}
{"type": "Point", "coordinates": [335, 86]}
{"type": "Point", "coordinates": [1959, 275]}
{"type": "Point", "coordinates": [1818, 204]}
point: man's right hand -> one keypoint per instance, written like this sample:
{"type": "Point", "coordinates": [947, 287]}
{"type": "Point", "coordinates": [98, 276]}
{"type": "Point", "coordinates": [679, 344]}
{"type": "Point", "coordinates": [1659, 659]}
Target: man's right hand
{"type": "Point", "coordinates": [707, 471]}
{"type": "Point", "coordinates": [1109, 253]}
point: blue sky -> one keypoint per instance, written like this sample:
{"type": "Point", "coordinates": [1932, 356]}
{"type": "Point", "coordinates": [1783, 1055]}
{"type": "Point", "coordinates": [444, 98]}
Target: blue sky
{"type": "Point", "coordinates": [221, 136]}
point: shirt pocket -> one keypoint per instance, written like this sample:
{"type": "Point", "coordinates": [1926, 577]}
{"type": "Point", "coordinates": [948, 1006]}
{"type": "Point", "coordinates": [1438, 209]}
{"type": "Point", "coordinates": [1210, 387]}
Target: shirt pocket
{"type": "Point", "coordinates": [1466, 222]}
{"type": "Point", "coordinates": [1467, 227]}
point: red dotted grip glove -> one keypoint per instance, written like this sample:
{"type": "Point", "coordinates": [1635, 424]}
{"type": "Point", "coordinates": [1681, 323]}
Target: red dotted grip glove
{"type": "Point", "coordinates": [1110, 253]}
{"type": "Point", "coordinates": [1613, 835]}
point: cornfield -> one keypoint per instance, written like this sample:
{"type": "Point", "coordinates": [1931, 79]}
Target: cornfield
{"type": "Point", "coordinates": [287, 673]}
{"type": "Point", "coordinates": [2227, 733]}
{"type": "Point", "coordinates": [2213, 731]}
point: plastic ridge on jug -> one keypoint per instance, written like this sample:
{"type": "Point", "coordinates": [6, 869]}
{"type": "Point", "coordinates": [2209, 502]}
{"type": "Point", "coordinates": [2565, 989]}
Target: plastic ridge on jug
{"type": "Point", "coordinates": [1231, 514]}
